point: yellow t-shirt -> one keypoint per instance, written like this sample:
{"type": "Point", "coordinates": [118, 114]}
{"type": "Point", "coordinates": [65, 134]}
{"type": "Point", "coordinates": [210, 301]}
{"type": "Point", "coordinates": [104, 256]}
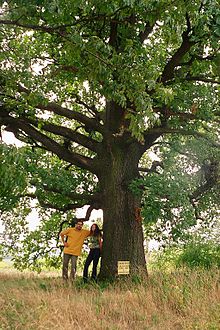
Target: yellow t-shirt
{"type": "Point", "coordinates": [75, 240]}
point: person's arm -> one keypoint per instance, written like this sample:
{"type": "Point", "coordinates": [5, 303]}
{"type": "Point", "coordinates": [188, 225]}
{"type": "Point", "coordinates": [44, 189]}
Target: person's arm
{"type": "Point", "coordinates": [87, 233]}
{"type": "Point", "coordinates": [100, 242]}
{"type": "Point", "coordinates": [62, 235]}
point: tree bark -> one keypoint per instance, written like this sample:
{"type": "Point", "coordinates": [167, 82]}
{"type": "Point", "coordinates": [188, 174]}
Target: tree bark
{"type": "Point", "coordinates": [122, 232]}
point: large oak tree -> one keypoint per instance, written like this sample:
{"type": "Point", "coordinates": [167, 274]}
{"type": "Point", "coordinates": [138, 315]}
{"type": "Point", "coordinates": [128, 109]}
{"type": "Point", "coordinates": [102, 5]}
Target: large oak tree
{"type": "Point", "coordinates": [98, 83]}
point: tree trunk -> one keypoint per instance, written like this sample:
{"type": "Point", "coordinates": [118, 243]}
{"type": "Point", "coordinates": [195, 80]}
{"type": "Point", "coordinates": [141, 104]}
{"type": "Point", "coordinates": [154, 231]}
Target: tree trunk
{"type": "Point", "coordinates": [122, 232]}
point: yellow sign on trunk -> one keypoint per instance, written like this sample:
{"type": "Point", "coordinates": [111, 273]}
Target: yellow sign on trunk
{"type": "Point", "coordinates": [123, 267]}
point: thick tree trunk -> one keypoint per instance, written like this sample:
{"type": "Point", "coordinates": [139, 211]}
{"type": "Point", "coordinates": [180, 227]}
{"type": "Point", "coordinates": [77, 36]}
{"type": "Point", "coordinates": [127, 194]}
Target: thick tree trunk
{"type": "Point", "coordinates": [123, 234]}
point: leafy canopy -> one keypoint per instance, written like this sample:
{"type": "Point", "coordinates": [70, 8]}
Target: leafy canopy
{"type": "Point", "coordinates": [77, 77]}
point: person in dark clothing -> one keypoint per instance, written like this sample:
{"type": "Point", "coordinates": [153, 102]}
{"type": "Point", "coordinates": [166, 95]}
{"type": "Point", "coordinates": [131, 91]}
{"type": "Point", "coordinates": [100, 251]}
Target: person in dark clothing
{"type": "Point", "coordinates": [95, 242]}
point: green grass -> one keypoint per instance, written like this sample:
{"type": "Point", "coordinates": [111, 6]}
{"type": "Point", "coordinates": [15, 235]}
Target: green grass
{"type": "Point", "coordinates": [180, 300]}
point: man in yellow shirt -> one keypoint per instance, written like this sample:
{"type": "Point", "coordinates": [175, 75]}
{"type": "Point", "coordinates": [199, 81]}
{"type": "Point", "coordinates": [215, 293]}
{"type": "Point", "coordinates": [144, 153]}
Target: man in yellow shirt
{"type": "Point", "coordinates": [72, 247]}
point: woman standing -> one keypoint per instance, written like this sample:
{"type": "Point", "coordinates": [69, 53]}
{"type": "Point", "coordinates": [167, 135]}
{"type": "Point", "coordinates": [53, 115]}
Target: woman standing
{"type": "Point", "coordinates": [95, 241]}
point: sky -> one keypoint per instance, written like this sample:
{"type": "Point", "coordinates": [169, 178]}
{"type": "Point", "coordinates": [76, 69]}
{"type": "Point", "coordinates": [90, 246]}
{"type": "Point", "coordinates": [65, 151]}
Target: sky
{"type": "Point", "coordinates": [9, 138]}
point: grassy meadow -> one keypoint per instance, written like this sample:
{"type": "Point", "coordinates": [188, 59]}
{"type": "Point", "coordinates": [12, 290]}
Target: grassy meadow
{"type": "Point", "coordinates": [182, 299]}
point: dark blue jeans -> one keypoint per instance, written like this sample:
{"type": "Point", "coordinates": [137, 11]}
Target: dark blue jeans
{"type": "Point", "coordinates": [94, 255]}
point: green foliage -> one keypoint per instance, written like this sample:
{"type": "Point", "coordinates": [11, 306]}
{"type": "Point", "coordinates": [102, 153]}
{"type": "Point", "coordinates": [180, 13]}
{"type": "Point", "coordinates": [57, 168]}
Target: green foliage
{"type": "Point", "coordinates": [65, 52]}
{"type": "Point", "coordinates": [200, 254]}
{"type": "Point", "coordinates": [34, 249]}
{"type": "Point", "coordinates": [85, 48]}
{"type": "Point", "coordinates": [182, 175]}
{"type": "Point", "coordinates": [13, 180]}
{"type": "Point", "coordinates": [196, 253]}
{"type": "Point", "coordinates": [53, 183]}
{"type": "Point", "coordinates": [164, 259]}
{"type": "Point", "coordinates": [23, 170]}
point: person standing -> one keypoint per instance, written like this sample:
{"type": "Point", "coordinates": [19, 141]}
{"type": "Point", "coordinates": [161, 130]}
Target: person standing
{"type": "Point", "coordinates": [95, 242]}
{"type": "Point", "coordinates": [73, 239]}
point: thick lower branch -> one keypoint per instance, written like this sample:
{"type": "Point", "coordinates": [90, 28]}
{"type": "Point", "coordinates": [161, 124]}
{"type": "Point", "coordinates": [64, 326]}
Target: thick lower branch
{"type": "Point", "coordinates": [69, 134]}
{"type": "Point", "coordinates": [67, 113]}
{"type": "Point", "coordinates": [71, 114]}
{"type": "Point", "coordinates": [51, 145]}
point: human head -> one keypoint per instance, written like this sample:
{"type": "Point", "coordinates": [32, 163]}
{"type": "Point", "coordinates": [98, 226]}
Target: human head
{"type": "Point", "coordinates": [79, 224]}
{"type": "Point", "coordinates": [95, 230]}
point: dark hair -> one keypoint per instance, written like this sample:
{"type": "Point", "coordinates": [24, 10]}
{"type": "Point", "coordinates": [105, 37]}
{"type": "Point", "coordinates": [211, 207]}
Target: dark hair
{"type": "Point", "coordinates": [73, 222]}
{"type": "Point", "coordinates": [77, 221]}
{"type": "Point", "coordinates": [97, 231]}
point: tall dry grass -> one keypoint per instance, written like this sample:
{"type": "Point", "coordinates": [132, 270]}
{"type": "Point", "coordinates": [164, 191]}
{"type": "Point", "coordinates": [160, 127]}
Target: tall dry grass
{"type": "Point", "coordinates": [179, 300]}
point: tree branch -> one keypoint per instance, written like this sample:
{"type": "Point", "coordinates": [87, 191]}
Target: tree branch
{"type": "Point", "coordinates": [71, 114]}
{"type": "Point", "coordinates": [211, 173]}
{"type": "Point", "coordinates": [168, 72]}
{"type": "Point", "coordinates": [167, 130]}
{"type": "Point", "coordinates": [89, 211]}
{"type": "Point", "coordinates": [94, 200]}
{"type": "Point", "coordinates": [198, 58]}
{"type": "Point", "coordinates": [62, 111]}
{"type": "Point", "coordinates": [42, 28]}
{"type": "Point", "coordinates": [202, 79]}
{"type": "Point", "coordinates": [147, 30]}
{"type": "Point", "coordinates": [167, 112]}
{"type": "Point", "coordinates": [86, 198]}
{"type": "Point", "coordinates": [67, 133]}
{"type": "Point", "coordinates": [113, 34]}
{"type": "Point", "coordinates": [70, 206]}
{"type": "Point", "coordinates": [196, 212]}
{"type": "Point", "coordinates": [51, 145]}
{"type": "Point", "coordinates": [200, 191]}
